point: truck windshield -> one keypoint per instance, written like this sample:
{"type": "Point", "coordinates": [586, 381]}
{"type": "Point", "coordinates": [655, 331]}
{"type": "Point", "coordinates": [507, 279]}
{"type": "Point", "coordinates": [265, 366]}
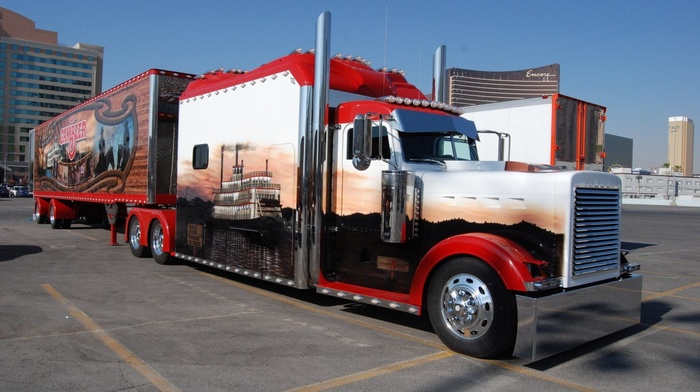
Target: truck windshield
{"type": "Point", "coordinates": [437, 146]}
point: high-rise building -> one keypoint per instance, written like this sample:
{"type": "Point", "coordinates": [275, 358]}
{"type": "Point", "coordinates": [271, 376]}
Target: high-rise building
{"type": "Point", "coordinates": [39, 79]}
{"type": "Point", "coordinates": [466, 87]}
{"type": "Point", "coordinates": [618, 152]}
{"type": "Point", "coordinates": [680, 144]}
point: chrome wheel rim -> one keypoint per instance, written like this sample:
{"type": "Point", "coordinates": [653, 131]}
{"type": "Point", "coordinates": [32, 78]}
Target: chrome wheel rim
{"type": "Point", "coordinates": [135, 233]}
{"type": "Point", "coordinates": [52, 216]}
{"type": "Point", "coordinates": [157, 240]}
{"type": "Point", "coordinates": [467, 306]}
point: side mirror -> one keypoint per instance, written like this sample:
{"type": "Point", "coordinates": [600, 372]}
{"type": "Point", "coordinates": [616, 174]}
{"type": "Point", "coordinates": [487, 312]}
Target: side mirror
{"type": "Point", "coordinates": [361, 142]}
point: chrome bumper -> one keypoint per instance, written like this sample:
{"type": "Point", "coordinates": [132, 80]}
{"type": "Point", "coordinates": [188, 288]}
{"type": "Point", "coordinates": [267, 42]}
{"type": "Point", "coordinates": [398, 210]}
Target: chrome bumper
{"type": "Point", "coordinates": [552, 324]}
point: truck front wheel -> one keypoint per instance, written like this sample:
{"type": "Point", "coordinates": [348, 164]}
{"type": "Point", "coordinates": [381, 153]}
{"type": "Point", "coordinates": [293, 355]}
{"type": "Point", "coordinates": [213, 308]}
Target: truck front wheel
{"type": "Point", "coordinates": [471, 310]}
{"type": "Point", "coordinates": [134, 228]}
{"type": "Point", "coordinates": [156, 243]}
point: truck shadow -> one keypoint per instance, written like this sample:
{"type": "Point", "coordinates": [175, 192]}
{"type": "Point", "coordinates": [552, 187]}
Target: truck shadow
{"type": "Point", "coordinates": [652, 313]}
{"type": "Point", "coordinates": [81, 224]}
{"type": "Point", "coordinates": [421, 323]}
{"type": "Point", "coordinates": [312, 297]}
{"type": "Point", "coordinates": [11, 252]}
{"type": "Point", "coordinates": [309, 295]}
{"type": "Point", "coordinates": [634, 245]}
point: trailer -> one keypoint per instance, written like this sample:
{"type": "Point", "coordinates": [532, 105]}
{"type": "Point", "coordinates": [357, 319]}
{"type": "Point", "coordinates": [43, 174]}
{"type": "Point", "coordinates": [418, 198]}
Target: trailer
{"type": "Point", "coordinates": [555, 130]}
{"type": "Point", "coordinates": [322, 173]}
{"type": "Point", "coordinates": [113, 150]}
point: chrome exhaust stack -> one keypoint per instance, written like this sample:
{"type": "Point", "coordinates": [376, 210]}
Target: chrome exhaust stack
{"type": "Point", "coordinates": [315, 145]}
{"type": "Point", "coordinates": [439, 69]}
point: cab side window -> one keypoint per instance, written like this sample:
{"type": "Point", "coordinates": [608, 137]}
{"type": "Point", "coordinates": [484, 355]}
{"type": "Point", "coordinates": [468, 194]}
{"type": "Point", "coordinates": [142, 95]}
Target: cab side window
{"type": "Point", "coordinates": [386, 150]}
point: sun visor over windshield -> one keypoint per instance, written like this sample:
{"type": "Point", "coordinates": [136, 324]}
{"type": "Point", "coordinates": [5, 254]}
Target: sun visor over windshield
{"type": "Point", "coordinates": [416, 121]}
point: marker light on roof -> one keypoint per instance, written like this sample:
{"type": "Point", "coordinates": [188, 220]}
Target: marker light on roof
{"type": "Point", "coordinates": [422, 103]}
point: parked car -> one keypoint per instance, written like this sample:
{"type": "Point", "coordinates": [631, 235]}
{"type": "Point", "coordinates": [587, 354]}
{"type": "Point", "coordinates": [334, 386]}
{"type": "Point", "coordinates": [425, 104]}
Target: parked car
{"type": "Point", "coordinates": [19, 191]}
{"type": "Point", "coordinates": [4, 191]}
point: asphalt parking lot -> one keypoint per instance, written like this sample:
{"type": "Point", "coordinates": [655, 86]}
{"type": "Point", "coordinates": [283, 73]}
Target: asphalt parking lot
{"type": "Point", "coordinates": [77, 314]}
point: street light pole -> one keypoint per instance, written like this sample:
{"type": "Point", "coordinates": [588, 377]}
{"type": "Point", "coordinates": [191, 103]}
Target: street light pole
{"type": "Point", "coordinates": [4, 170]}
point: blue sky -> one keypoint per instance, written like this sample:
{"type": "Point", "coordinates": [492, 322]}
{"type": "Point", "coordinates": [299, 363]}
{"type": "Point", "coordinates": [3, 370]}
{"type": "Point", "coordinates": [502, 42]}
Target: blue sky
{"type": "Point", "coordinates": [640, 59]}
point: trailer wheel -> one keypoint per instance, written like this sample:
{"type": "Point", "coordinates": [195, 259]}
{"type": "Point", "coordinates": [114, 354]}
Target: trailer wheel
{"type": "Point", "coordinates": [40, 219]}
{"type": "Point", "coordinates": [471, 310]}
{"type": "Point", "coordinates": [55, 223]}
{"type": "Point", "coordinates": [156, 243]}
{"type": "Point", "coordinates": [66, 223]}
{"type": "Point", "coordinates": [137, 249]}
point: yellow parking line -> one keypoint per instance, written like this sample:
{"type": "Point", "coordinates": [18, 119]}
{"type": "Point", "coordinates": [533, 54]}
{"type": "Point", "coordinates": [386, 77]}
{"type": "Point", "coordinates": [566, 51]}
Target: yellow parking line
{"type": "Point", "coordinates": [379, 371]}
{"type": "Point", "coordinates": [351, 378]}
{"type": "Point", "coordinates": [113, 344]}
{"type": "Point", "coordinates": [81, 235]}
{"type": "Point", "coordinates": [539, 375]}
{"type": "Point", "coordinates": [670, 292]}
{"type": "Point", "coordinates": [659, 273]}
{"type": "Point", "coordinates": [310, 308]}
{"type": "Point", "coordinates": [673, 329]}
{"type": "Point", "coordinates": [684, 297]}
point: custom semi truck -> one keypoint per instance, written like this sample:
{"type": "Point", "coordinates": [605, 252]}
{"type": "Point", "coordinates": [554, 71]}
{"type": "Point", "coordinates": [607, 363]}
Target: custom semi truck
{"type": "Point", "coordinates": [320, 172]}
{"type": "Point", "coordinates": [556, 130]}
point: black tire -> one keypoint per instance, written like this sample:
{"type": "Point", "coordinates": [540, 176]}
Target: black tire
{"type": "Point", "coordinates": [66, 223]}
{"type": "Point", "coordinates": [471, 310]}
{"type": "Point", "coordinates": [55, 223]}
{"type": "Point", "coordinates": [156, 243]}
{"type": "Point", "coordinates": [134, 235]}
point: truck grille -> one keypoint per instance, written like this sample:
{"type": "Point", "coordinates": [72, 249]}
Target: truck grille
{"type": "Point", "coordinates": [596, 231]}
